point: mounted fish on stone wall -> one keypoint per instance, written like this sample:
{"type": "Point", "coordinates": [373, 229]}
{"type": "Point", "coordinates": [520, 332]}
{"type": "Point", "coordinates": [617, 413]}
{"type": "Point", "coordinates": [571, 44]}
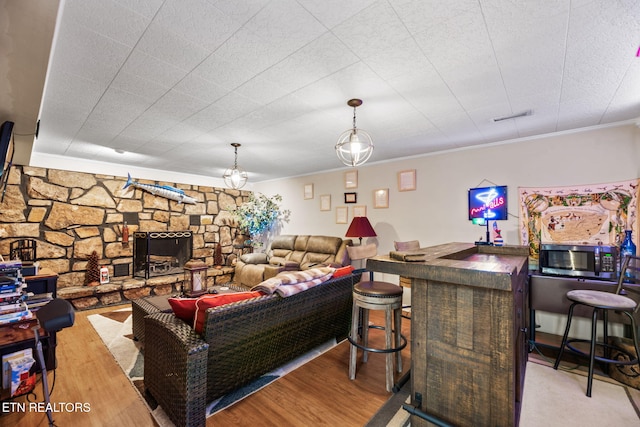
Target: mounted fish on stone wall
{"type": "Point", "coordinates": [166, 191]}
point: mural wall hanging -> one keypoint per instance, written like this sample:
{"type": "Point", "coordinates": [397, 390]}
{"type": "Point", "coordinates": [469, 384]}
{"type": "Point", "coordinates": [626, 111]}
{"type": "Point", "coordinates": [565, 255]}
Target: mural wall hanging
{"type": "Point", "coordinates": [584, 214]}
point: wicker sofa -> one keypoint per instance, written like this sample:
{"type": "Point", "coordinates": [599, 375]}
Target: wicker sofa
{"type": "Point", "coordinates": [291, 252]}
{"type": "Point", "coordinates": [241, 341]}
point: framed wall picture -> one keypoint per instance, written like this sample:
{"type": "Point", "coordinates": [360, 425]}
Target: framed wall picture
{"type": "Point", "coordinates": [350, 197]}
{"type": "Point", "coordinates": [381, 198]}
{"type": "Point", "coordinates": [341, 215]}
{"type": "Point", "coordinates": [325, 202]}
{"type": "Point", "coordinates": [308, 191]}
{"type": "Point", "coordinates": [351, 179]}
{"type": "Point", "coordinates": [359, 211]}
{"type": "Point", "coordinates": [407, 180]}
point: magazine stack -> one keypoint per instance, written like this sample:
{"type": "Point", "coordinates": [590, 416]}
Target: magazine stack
{"type": "Point", "coordinates": [12, 306]}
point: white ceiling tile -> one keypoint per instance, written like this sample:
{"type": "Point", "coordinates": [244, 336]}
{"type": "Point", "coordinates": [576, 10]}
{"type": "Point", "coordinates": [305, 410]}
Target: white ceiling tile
{"type": "Point", "coordinates": [286, 24]}
{"type": "Point", "coordinates": [198, 21]}
{"type": "Point", "coordinates": [420, 14]}
{"type": "Point", "coordinates": [239, 59]}
{"type": "Point", "coordinates": [318, 59]}
{"type": "Point", "coordinates": [139, 85]}
{"type": "Point", "coordinates": [240, 11]}
{"type": "Point", "coordinates": [146, 8]}
{"type": "Point", "coordinates": [107, 18]}
{"type": "Point", "coordinates": [177, 106]}
{"type": "Point", "coordinates": [154, 69]}
{"type": "Point", "coordinates": [261, 91]}
{"type": "Point", "coordinates": [376, 27]}
{"type": "Point", "coordinates": [333, 12]}
{"type": "Point", "coordinates": [200, 88]}
{"type": "Point", "coordinates": [81, 52]}
{"type": "Point", "coordinates": [167, 46]}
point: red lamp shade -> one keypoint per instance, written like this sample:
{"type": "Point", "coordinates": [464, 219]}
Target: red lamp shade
{"type": "Point", "coordinates": [360, 227]}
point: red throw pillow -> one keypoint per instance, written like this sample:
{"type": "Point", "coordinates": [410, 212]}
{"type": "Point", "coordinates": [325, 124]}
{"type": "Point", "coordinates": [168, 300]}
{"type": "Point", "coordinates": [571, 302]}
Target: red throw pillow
{"type": "Point", "coordinates": [209, 301]}
{"type": "Point", "coordinates": [184, 308]}
{"type": "Point", "coordinates": [343, 271]}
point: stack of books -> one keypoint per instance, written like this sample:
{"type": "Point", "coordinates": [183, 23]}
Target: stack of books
{"type": "Point", "coordinates": [12, 306]}
{"type": "Point", "coordinates": [36, 301]}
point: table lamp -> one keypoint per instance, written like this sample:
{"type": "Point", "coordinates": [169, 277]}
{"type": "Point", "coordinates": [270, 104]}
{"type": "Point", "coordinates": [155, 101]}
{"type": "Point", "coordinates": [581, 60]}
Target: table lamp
{"type": "Point", "coordinates": [360, 227]}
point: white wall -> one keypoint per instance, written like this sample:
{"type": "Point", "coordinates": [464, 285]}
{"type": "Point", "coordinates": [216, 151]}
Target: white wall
{"type": "Point", "coordinates": [437, 211]}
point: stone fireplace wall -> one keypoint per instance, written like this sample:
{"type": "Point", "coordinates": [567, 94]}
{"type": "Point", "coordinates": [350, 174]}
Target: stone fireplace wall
{"type": "Point", "coordinates": [72, 214]}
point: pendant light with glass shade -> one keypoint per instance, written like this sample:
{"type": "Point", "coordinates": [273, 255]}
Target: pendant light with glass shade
{"type": "Point", "coordinates": [235, 177]}
{"type": "Point", "coordinates": [354, 146]}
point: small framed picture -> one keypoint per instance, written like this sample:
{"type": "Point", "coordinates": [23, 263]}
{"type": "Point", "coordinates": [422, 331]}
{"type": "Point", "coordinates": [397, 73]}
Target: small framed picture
{"type": "Point", "coordinates": [359, 211]}
{"type": "Point", "coordinates": [308, 191]}
{"type": "Point", "coordinates": [325, 202]}
{"type": "Point", "coordinates": [407, 180]}
{"type": "Point", "coordinates": [350, 197]}
{"type": "Point", "coordinates": [341, 215]}
{"type": "Point", "coordinates": [381, 198]}
{"type": "Point", "coordinates": [351, 179]}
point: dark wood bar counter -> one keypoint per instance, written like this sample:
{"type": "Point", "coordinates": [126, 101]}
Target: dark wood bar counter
{"type": "Point", "coordinates": [468, 330]}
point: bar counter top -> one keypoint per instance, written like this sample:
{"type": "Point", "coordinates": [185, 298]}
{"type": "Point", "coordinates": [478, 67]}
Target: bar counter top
{"type": "Point", "coordinates": [459, 263]}
{"type": "Point", "coordinates": [468, 331]}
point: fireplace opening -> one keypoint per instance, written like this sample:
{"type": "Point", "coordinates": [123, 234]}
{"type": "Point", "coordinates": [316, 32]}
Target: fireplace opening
{"type": "Point", "coordinates": [161, 253]}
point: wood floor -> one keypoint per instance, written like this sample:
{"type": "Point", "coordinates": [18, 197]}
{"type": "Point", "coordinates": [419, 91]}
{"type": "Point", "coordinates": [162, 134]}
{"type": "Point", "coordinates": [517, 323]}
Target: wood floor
{"type": "Point", "coordinates": [318, 393]}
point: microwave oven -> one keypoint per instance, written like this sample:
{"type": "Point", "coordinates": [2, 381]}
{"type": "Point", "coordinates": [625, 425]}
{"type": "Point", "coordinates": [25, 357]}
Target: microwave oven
{"type": "Point", "coordinates": [588, 261]}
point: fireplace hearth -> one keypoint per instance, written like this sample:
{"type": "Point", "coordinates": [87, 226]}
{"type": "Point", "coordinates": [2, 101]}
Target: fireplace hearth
{"type": "Point", "coordinates": [161, 253]}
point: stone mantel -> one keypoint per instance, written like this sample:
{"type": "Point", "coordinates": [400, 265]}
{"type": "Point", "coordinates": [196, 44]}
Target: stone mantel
{"type": "Point", "coordinates": [122, 291]}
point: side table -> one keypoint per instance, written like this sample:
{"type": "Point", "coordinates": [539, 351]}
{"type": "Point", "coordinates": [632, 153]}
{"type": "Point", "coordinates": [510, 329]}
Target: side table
{"type": "Point", "coordinates": [20, 336]}
{"type": "Point", "coordinates": [143, 307]}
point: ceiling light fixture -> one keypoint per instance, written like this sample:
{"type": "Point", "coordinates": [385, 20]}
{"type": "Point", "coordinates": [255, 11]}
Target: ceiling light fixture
{"type": "Point", "coordinates": [235, 177]}
{"type": "Point", "coordinates": [354, 146]}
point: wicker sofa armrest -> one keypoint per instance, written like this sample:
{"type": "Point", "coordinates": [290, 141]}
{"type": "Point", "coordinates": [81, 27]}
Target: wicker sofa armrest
{"type": "Point", "coordinates": [175, 368]}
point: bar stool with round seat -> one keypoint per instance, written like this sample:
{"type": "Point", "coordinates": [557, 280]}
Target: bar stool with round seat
{"type": "Point", "coordinates": [617, 301]}
{"type": "Point", "coordinates": [375, 295]}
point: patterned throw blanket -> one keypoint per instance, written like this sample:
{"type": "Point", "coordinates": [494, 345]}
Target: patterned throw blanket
{"type": "Point", "coordinates": [292, 282]}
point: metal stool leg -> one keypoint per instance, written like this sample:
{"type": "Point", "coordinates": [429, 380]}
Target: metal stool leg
{"type": "Point", "coordinates": [365, 334]}
{"type": "Point", "coordinates": [592, 349]}
{"type": "Point", "coordinates": [565, 336]}
{"type": "Point", "coordinates": [398, 333]}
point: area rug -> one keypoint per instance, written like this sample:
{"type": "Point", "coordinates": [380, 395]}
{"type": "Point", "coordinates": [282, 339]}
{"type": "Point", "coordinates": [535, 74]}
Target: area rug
{"type": "Point", "coordinates": [114, 328]}
{"type": "Point", "coordinates": [552, 398]}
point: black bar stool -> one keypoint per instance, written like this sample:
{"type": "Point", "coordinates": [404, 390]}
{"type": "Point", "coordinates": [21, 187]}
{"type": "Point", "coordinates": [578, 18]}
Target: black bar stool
{"type": "Point", "coordinates": [605, 301]}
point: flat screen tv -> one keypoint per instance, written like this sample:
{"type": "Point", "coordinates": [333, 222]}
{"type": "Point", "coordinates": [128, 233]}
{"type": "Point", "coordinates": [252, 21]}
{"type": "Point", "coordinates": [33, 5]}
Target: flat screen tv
{"type": "Point", "coordinates": [488, 203]}
{"type": "Point", "coordinates": [5, 139]}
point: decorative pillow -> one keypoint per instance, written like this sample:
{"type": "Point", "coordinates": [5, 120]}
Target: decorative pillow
{"type": "Point", "coordinates": [184, 308]}
{"type": "Point", "coordinates": [343, 271]}
{"type": "Point", "coordinates": [255, 258]}
{"type": "Point", "coordinates": [208, 301]}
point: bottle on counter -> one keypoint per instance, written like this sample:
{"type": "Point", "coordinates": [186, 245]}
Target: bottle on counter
{"type": "Point", "coordinates": [626, 248]}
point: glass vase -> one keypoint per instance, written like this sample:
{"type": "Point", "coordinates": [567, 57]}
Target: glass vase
{"type": "Point", "coordinates": [627, 247]}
